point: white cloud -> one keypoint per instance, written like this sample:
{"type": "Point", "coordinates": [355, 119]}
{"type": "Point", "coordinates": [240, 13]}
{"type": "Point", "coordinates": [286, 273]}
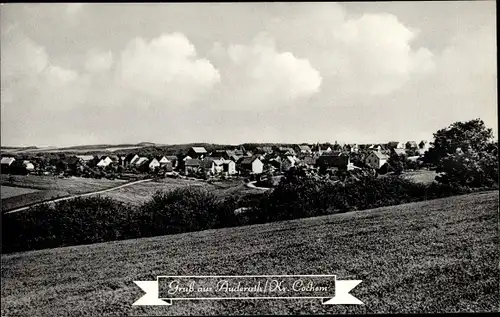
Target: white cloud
{"type": "Point", "coordinates": [366, 55]}
{"type": "Point", "coordinates": [98, 61]}
{"type": "Point", "coordinates": [166, 67]}
{"type": "Point", "coordinates": [258, 76]}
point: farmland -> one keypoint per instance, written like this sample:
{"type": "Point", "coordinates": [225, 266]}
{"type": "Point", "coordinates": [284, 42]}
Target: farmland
{"type": "Point", "coordinates": [139, 193]}
{"type": "Point", "coordinates": [433, 256]}
{"type": "Point", "coordinates": [7, 191]}
{"type": "Point", "coordinates": [421, 176]}
{"type": "Point", "coordinates": [32, 189]}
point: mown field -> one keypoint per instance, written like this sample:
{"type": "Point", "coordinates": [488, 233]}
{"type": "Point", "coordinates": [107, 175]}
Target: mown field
{"type": "Point", "coordinates": [140, 193]}
{"type": "Point", "coordinates": [8, 191]}
{"type": "Point", "coordinates": [33, 189]}
{"type": "Point", "coordinates": [421, 176]}
{"type": "Point", "coordinates": [428, 257]}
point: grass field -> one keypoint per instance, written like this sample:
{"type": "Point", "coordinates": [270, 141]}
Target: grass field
{"type": "Point", "coordinates": [433, 256]}
{"type": "Point", "coordinates": [139, 193]}
{"type": "Point", "coordinates": [46, 187]}
{"type": "Point", "coordinates": [8, 191]}
{"type": "Point", "coordinates": [72, 185]}
{"type": "Point", "coordinates": [421, 176]}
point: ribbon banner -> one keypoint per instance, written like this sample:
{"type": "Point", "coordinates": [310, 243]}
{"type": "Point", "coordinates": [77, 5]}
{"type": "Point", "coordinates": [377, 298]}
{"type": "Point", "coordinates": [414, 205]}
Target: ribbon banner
{"type": "Point", "coordinates": [218, 287]}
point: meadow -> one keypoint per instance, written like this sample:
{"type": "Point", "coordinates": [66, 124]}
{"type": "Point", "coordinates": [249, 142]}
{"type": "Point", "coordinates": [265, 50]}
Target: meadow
{"type": "Point", "coordinates": [8, 191]}
{"type": "Point", "coordinates": [32, 189]}
{"type": "Point", "coordinates": [422, 176]}
{"type": "Point", "coordinates": [436, 256]}
{"type": "Point", "coordinates": [139, 193]}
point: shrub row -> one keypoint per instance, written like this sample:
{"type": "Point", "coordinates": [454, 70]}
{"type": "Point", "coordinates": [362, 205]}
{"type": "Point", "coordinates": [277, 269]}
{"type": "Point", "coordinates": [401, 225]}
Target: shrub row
{"type": "Point", "coordinates": [98, 219]}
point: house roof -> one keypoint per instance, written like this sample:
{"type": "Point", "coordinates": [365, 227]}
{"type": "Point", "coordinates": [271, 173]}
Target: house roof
{"type": "Point", "coordinates": [304, 148]}
{"type": "Point", "coordinates": [248, 160]}
{"type": "Point", "coordinates": [192, 162]}
{"type": "Point", "coordinates": [199, 149]}
{"type": "Point", "coordinates": [85, 157]}
{"type": "Point", "coordinates": [412, 143]}
{"type": "Point", "coordinates": [380, 155]}
{"type": "Point", "coordinates": [141, 160]}
{"type": "Point", "coordinates": [7, 160]}
{"type": "Point", "coordinates": [399, 151]}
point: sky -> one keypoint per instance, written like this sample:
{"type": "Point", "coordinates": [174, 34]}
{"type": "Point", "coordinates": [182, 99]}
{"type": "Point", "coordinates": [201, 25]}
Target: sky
{"type": "Point", "coordinates": [229, 73]}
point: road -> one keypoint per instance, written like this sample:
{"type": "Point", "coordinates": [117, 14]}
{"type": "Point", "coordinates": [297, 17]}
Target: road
{"type": "Point", "coordinates": [252, 185]}
{"type": "Point", "coordinates": [79, 195]}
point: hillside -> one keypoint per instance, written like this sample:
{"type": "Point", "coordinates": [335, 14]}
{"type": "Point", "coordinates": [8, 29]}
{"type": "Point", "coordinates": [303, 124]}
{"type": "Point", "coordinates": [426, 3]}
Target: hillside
{"type": "Point", "coordinates": [432, 256]}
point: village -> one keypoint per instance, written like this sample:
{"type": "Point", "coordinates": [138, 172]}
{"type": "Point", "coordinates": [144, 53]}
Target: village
{"type": "Point", "coordinates": [221, 163]}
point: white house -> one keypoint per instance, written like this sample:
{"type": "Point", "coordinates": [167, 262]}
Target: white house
{"type": "Point", "coordinates": [229, 167]}
{"type": "Point", "coordinates": [154, 164]}
{"type": "Point", "coordinates": [7, 161]}
{"type": "Point", "coordinates": [163, 160]}
{"type": "Point", "coordinates": [376, 159]}
{"type": "Point", "coordinates": [28, 165]}
{"type": "Point", "coordinates": [105, 162]}
{"type": "Point", "coordinates": [252, 164]}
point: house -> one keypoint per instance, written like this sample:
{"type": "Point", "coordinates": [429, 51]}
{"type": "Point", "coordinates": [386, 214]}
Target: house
{"type": "Point", "coordinates": [104, 161]}
{"type": "Point", "coordinates": [85, 158]}
{"type": "Point", "coordinates": [286, 150]}
{"type": "Point", "coordinates": [395, 145]}
{"type": "Point", "coordinates": [68, 164]}
{"type": "Point", "coordinates": [192, 166]}
{"type": "Point", "coordinates": [29, 166]}
{"type": "Point", "coordinates": [411, 145]}
{"type": "Point", "coordinates": [336, 160]}
{"type": "Point", "coordinates": [130, 159]}
{"type": "Point", "coordinates": [376, 159]}
{"type": "Point", "coordinates": [264, 150]}
{"type": "Point", "coordinates": [229, 167]}
{"type": "Point", "coordinates": [213, 166]}
{"type": "Point", "coordinates": [251, 165]}
{"type": "Point", "coordinates": [399, 152]}
{"type": "Point", "coordinates": [308, 161]}
{"type": "Point", "coordinates": [376, 147]}
{"type": "Point", "coordinates": [141, 161]}
{"type": "Point", "coordinates": [154, 164]}
{"type": "Point", "coordinates": [197, 152]}
{"type": "Point", "coordinates": [288, 162]}
{"type": "Point", "coordinates": [7, 161]}
{"type": "Point", "coordinates": [304, 149]}
{"type": "Point", "coordinates": [173, 159]}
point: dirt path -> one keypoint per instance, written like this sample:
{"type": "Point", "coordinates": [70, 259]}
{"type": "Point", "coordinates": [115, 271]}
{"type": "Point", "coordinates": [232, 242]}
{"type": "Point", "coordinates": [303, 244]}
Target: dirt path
{"type": "Point", "coordinates": [252, 185]}
{"type": "Point", "coordinates": [79, 195]}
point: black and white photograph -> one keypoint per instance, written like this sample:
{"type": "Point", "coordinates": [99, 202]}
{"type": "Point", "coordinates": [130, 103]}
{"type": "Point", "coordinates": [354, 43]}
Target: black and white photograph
{"type": "Point", "coordinates": [249, 158]}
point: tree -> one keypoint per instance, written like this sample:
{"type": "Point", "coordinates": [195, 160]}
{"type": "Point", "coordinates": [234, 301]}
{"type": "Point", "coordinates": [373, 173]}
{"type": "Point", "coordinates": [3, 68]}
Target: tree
{"type": "Point", "coordinates": [464, 155]}
{"type": "Point", "coordinates": [396, 163]}
{"type": "Point", "coordinates": [471, 135]}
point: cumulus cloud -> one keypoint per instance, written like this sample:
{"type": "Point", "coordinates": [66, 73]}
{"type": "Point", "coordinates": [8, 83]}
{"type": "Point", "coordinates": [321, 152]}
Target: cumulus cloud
{"type": "Point", "coordinates": [259, 76]}
{"type": "Point", "coordinates": [369, 54]}
{"type": "Point", "coordinates": [98, 61]}
{"type": "Point", "coordinates": [166, 67]}
{"type": "Point", "coordinates": [28, 72]}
